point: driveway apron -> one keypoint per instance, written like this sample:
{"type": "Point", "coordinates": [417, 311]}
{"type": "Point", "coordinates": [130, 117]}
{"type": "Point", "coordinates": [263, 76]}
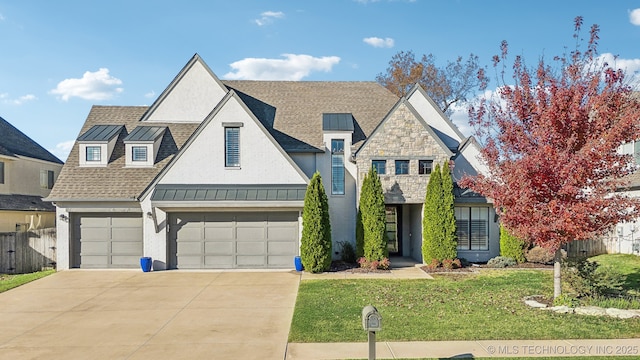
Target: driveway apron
{"type": "Point", "coordinates": [82, 314]}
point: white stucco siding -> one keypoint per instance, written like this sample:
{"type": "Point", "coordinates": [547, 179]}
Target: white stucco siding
{"type": "Point", "coordinates": [192, 98]}
{"type": "Point", "coordinates": [22, 175]}
{"type": "Point", "coordinates": [432, 115]}
{"type": "Point", "coordinates": [306, 162]}
{"type": "Point", "coordinates": [155, 234]}
{"type": "Point", "coordinates": [63, 239]}
{"type": "Point", "coordinates": [342, 208]}
{"type": "Point", "coordinates": [261, 160]}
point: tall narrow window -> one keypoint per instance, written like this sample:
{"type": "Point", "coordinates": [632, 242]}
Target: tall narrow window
{"type": "Point", "coordinates": [232, 146]}
{"type": "Point", "coordinates": [402, 167]}
{"type": "Point", "coordinates": [93, 153]}
{"type": "Point", "coordinates": [46, 179]}
{"type": "Point", "coordinates": [139, 153]}
{"type": "Point", "coordinates": [425, 166]}
{"type": "Point", "coordinates": [337, 167]}
{"type": "Point", "coordinates": [380, 166]}
{"type": "Point", "coordinates": [1, 172]}
{"type": "Point", "coordinates": [473, 227]}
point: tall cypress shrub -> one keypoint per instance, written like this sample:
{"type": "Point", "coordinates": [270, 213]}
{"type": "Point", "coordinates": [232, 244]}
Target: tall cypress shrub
{"type": "Point", "coordinates": [365, 193]}
{"type": "Point", "coordinates": [431, 233]}
{"type": "Point", "coordinates": [315, 248]}
{"type": "Point", "coordinates": [374, 220]}
{"type": "Point", "coordinates": [449, 246]}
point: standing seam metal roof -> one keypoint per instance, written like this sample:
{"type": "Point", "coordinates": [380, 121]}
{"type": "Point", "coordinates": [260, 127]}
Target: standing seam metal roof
{"type": "Point", "coordinates": [101, 133]}
{"type": "Point", "coordinates": [337, 122]}
{"type": "Point", "coordinates": [145, 133]}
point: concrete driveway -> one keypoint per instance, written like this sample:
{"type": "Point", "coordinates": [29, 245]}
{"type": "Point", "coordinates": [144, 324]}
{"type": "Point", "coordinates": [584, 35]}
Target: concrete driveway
{"type": "Point", "coordinates": [84, 314]}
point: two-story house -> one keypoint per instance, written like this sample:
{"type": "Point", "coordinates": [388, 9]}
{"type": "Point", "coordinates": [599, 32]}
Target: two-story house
{"type": "Point", "coordinates": [213, 173]}
{"type": "Point", "coordinates": [27, 174]}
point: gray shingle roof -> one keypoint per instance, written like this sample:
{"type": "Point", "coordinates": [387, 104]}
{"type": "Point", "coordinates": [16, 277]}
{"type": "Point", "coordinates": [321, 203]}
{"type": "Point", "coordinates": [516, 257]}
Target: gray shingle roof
{"type": "Point", "coordinates": [14, 142]}
{"type": "Point", "coordinates": [101, 133]}
{"type": "Point", "coordinates": [25, 203]}
{"type": "Point", "coordinates": [293, 110]}
{"type": "Point", "coordinates": [115, 181]}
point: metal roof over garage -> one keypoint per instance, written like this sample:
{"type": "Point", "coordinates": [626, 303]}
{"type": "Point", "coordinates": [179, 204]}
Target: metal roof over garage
{"type": "Point", "coordinates": [182, 192]}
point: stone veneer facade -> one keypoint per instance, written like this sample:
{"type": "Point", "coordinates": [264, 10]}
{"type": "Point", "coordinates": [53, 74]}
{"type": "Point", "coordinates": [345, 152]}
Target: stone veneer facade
{"type": "Point", "coordinates": [401, 137]}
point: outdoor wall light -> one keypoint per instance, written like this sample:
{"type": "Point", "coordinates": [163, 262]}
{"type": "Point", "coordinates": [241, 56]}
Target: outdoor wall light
{"type": "Point", "coordinates": [64, 217]}
{"type": "Point", "coordinates": [149, 215]}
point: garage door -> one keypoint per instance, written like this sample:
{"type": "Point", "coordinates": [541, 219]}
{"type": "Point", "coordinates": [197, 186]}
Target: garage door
{"type": "Point", "coordinates": [233, 240]}
{"type": "Point", "coordinates": [107, 241]}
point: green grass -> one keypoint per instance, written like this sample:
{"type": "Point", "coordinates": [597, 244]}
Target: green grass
{"type": "Point", "coordinates": [626, 264]}
{"type": "Point", "coordinates": [452, 307]}
{"type": "Point", "coordinates": [545, 358]}
{"type": "Point", "coordinates": [8, 282]}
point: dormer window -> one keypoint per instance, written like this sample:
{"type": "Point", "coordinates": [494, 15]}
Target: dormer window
{"type": "Point", "coordinates": [142, 145]}
{"type": "Point", "coordinates": [93, 153]}
{"type": "Point", "coordinates": [97, 143]}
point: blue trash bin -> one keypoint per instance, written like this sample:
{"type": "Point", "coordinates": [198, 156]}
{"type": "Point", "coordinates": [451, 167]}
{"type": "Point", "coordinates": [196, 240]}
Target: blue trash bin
{"type": "Point", "coordinates": [298, 263]}
{"type": "Point", "coordinates": [145, 264]}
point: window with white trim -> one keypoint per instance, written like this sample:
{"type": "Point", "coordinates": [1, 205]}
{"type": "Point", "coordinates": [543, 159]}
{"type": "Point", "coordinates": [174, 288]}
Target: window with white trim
{"type": "Point", "coordinates": [46, 179]}
{"type": "Point", "coordinates": [337, 166]}
{"type": "Point", "coordinates": [93, 153]}
{"type": "Point", "coordinates": [232, 146]}
{"type": "Point", "coordinates": [1, 172]}
{"type": "Point", "coordinates": [139, 153]}
{"type": "Point", "coordinates": [473, 227]}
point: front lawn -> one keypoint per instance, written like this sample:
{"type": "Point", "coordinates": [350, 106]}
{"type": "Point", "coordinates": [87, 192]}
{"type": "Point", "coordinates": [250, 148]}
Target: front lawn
{"type": "Point", "coordinates": [625, 264]}
{"type": "Point", "coordinates": [8, 282]}
{"type": "Point", "coordinates": [452, 307]}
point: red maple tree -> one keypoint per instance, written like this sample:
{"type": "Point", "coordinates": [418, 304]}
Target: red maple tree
{"type": "Point", "coordinates": [550, 144]}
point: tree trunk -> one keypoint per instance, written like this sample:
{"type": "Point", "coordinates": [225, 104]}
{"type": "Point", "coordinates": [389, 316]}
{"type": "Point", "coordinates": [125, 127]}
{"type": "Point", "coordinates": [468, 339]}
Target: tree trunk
{"type": "Point", "coordinates": [557, 285]}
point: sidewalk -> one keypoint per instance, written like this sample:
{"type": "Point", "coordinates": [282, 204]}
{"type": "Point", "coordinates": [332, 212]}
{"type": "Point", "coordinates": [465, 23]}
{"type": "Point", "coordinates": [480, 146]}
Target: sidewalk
{"type": "Point", "coordinates": [466, 349]}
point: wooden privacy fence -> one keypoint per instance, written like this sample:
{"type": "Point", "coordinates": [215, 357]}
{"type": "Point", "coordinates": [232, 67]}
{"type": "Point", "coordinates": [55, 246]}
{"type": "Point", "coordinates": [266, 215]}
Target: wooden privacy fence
{"type": "Point", "coordinates": [603, 245]}
{"type": "Point", "coordinates": [25, 252]}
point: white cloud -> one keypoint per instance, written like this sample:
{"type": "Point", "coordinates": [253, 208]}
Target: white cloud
{"type": "Point", "coordinates": [150, 95]}
{"type": "Point", "coordinates": [2, 17]}
{"type": "Point", "coordinates": [17, 101]}
{"type": "Point", "coordinates": [292, 67]}
{"type": "Point", "coordinates": [379, 42]}
{"type": "Point", "coordinates": [268, 17]}
{"type": "Point", "coordinates": [631, 67]}
{"type": "Point", "coordinates": [62, 149]}
{"type": "Point", "coordinates": [634, 16]}
{"type": "Point", "coordinates": [97, 85]}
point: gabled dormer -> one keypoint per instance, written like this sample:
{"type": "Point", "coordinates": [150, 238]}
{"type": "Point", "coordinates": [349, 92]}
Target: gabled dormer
{"type": "Point", "coordinates": [97, 144]}
{"type": "Point", "coordinates": [141, 146]}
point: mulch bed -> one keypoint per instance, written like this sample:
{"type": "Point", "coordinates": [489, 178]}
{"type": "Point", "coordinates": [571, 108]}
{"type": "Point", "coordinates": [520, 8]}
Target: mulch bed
{"type": "Point", "coordinates": [341, 266]}
{"type": "Point", "coordinates": [476, 267]}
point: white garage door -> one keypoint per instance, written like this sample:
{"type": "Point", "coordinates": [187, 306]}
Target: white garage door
{"type": "Point", "coordinates": [107, 240]}
{"type": "Point", "coordinates": [233, 240]}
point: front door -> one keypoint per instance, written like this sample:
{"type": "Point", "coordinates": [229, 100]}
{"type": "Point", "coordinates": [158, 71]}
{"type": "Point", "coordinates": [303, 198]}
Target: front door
{"type": "Point", "coordinates": [393, 229]}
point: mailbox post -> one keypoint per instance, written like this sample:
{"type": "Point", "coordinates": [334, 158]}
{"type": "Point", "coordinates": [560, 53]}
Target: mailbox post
{"type": "Point", "coordinates": [371, 322]}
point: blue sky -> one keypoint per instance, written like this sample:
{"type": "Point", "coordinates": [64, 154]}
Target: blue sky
{"type": "Point", "coordinates": [61, 57]}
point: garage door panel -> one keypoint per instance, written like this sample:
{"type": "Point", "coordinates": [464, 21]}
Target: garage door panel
{"type": "Point", "coordinates": [126, 234]}
{"type": "Point", "coordinates": [281, 248]}
{"type": "Point", "coordinates": [225, 233]}
{"type": "Point", "coordinates": [219, 247]}
{"type": "Point", "coordinates": [250, 261]}
{"type": "Point", "coordinates": [249, 234]}
{"type": "Point", "coordinates": [234, 239]}
{"type": "Point", "coordinates": [251, 247]}
{"type": "Point", "coordinates": [282, 233]}
{"type": "Point", "coordinates": [94, 248]}
{"type": "Point", "coordinates": [212, 261]}
{"type": "Point", "coordinates": [107, 240]}
{"type": "Point", "coordinates": [126, 247]}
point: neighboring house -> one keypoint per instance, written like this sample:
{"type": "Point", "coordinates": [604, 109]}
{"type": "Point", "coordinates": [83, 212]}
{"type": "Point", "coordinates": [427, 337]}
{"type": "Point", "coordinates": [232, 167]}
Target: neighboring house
{"type": "Point", "coordinates": [27, 174]}
{"type": "Point", "coordinates": [625, 236]}
{"type": "Point", "coordinates": [213, 174]}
